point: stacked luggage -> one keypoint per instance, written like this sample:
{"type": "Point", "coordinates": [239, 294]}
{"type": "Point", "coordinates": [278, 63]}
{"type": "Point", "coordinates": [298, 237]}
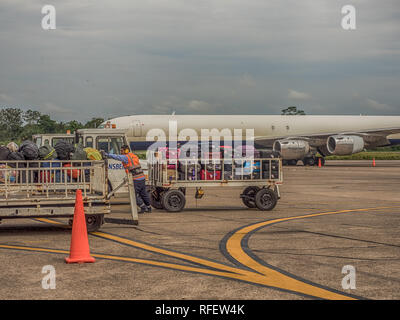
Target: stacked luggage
{"type": "Point", "coordinates": [247, 163]}
{"type": "Point", "coordinates": [28, 154]}
{"type": "Point", "coordinates": [5, 175]}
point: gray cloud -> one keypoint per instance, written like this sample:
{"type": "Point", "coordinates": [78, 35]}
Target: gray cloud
{"type": "Point", "coordinates": [297, 95]}
{"type": "Point", "coordinates": [112, 58]}
{"type": "Point", "coordinates": [377, 106]}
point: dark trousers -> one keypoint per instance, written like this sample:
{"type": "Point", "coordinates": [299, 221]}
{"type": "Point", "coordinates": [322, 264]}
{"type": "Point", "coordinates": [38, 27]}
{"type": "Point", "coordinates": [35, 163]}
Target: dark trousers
{"type": "Point", "coordinates": [142, 196]}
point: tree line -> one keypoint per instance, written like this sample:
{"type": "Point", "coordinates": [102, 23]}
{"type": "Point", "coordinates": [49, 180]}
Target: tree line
{"type": "Point", "coordinates": [18, 125]}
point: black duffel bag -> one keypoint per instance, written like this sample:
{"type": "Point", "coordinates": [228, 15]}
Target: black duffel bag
{"type": "Point", "coordinates": [4, 152]}
{"type": "Point", "coordinates": [18, 156]}
{"type": "Point", "coordinates": [30, 150]}
{"type": "Point", "coordinates": [64, 150]}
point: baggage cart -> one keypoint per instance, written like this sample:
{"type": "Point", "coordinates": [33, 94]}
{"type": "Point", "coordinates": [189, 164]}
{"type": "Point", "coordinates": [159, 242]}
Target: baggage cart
{"type": "Point", "coordinates": [168, 179]}
{"type": "Point", "coordinates": [38, 189]}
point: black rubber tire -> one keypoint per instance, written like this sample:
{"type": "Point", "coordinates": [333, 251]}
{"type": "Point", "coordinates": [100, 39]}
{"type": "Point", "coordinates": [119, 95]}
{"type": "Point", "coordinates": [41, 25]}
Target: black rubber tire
{"type": "Point", "coordinates": [311, 162]}
{"type": "Point", "coordinates": [250, 191]}
{"type": "Point", "coordinates": [156, 199]}
{"type": "Point", "coordinates": [266, 199]}
{"type": "Point", "coordinates": [94, 222]}
{"type": "Point", "coordinates": [173, 200]}
{"type": "Point", "coordinates": [293, 162]}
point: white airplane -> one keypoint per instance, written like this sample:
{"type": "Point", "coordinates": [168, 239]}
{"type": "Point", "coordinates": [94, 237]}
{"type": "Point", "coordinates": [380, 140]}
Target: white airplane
{"type": "Point", "coordinates": [296, 137]}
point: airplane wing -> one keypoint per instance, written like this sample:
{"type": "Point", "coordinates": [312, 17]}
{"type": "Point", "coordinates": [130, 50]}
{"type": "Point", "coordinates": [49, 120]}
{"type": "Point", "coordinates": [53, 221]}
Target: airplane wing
{"type": "Point", "coordinates": [374, 137]}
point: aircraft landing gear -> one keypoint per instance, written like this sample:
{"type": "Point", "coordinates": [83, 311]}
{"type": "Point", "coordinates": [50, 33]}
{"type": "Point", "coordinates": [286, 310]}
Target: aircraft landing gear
{"type": "Point", "coordinates": [307, 161]}
{"type": "Point", "coordinates": [313, 161]}
{"type": "Point", "coordinates": [292, 162]}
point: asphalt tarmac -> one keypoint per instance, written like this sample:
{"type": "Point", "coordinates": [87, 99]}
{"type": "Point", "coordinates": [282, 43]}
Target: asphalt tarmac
{"type": "Point", "coordinates": [334, 234]}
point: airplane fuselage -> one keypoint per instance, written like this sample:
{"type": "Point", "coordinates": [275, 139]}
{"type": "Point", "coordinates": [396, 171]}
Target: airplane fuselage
{"type": "Point", "coordinates": [267, 128]}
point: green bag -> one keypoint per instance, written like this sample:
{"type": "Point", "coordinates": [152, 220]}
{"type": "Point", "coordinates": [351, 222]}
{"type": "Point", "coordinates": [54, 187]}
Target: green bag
{"type": "Point", "coordinates": [79, 153]}
{"type": "Point", "coordinates": [47, 152]}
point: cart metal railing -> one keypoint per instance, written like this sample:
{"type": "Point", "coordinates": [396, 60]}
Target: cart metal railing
{"type": "Point", "coordinates": [209, 172]}
{"type": "Point", "coordinates": [25, 182]}
{"type": "Point", "coordinates": [32, 189]}
{"type": "Point", "coordinates": [169, 178]}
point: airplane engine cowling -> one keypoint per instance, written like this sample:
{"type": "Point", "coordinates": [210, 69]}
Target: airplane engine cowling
{"type": "Point", "coordinates": [344, 145]}
{"type": "Point", "coordinates": [292, 149]}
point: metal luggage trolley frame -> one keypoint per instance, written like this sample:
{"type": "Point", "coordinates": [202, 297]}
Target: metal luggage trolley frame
{"type": "Point", "coordinates": [168, 180]}
{"type": "Point", "coordinates": [38, 189]}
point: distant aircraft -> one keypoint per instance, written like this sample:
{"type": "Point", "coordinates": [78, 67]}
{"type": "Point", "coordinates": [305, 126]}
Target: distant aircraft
{"type": "Point", "coordinates": [296, 137]}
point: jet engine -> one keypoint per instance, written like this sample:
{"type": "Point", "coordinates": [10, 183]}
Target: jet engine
{"type": "Point", "coordinates": [344, 145]}
{"type": "Point", "coordinates": [292, 149]}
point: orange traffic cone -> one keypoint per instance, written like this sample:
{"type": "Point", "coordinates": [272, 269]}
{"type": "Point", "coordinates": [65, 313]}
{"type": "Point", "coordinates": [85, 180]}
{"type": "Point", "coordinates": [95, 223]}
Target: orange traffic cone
{"type": "Point", "coordinates": [319, 163]}
{"type": "Point", "coordinates": [373, 162]}
{"type": "Point", "coordinates": [79, 251]}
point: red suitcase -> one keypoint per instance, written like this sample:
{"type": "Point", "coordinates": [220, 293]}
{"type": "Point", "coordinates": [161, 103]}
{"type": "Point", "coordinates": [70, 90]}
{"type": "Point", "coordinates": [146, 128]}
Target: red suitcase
{"type": "Point", "coordinates": [209, 175]}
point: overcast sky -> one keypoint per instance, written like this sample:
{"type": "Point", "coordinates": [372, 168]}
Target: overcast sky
{"type": "Point", "coordinates": [123, 57]}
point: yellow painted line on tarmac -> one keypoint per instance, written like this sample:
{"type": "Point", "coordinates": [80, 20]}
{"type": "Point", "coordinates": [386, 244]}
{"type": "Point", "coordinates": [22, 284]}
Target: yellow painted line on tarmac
{"type": "Point", "coordinates": [62, 225]}
{"type": "Point", "coordinates": [271, 278]}
{"type": "Point", "coordinates": [136, 260]}
{"type": "Point", "coordinates": [6, 246]}
{"type": "Point", "coordinates": [169, 253]}
{"type": "Point", "coordinates": [275, 278]}
{"type": "Point", "coordinates": [225, 271]}
{"type": "Point", "coordinates": [265, 276]}
{"type": "Point", "coordinates": [147, 247]}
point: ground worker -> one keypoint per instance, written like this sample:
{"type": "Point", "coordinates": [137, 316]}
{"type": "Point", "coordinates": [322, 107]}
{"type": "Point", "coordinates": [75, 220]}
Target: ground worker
{"type": "Point", "coordinates": [131, 163]}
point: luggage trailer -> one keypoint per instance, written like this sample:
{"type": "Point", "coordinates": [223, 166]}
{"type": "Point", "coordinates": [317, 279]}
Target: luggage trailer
{"type": "Point", "coordinates": [259, 177]}
{"type": "Point", "coordinates": [46, 189]}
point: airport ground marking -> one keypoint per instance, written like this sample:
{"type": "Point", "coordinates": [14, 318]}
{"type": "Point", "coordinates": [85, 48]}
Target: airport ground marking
{"type": "Point", "coordinates": [234, 246]}
{"type": "Point", "coordinates": [273, 279]}
{"type": "Point", "coordinates": [134, 260]}
{"type": "Point", "coordinates": [264, 275]}
{"type": "Point", "coordinates": [249, 278]}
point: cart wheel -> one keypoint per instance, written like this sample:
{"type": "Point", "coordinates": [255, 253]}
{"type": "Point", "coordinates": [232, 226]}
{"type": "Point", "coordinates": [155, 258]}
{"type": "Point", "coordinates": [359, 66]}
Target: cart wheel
{"type": "Point", "coordinates": [94, 222]}
{"type": "Point", "coordinates": [156, 199]}
{"type": "Point", "coordinates": [309, 161]}
{"type": "Point", "coordinates": [173, 200]}
{"type": "Point", "coordinates": [266, 199]}
{"type": "Point", "coordinates": [249, 195]}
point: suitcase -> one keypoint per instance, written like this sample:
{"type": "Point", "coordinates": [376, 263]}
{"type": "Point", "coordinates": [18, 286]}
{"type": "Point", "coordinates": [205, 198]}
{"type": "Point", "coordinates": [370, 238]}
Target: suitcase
{"type": "Point", "coordinates": [209, 175]}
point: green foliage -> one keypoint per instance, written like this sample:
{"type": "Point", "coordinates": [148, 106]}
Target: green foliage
{"type": "Point", "coordinates": [46, 125]}
{"type": "Point", "coordinates": [10, 123]}
{"type": "Point", "coordinates": [94, 123]}
{"type": "Point", "coordinates": [17, 125]}
{"type": "Point", "coordinates": [368, 156]}
{"type": "Point", "coordinates": [141, 154]}
{"type": "Point", "coordinates": [292, 110]}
